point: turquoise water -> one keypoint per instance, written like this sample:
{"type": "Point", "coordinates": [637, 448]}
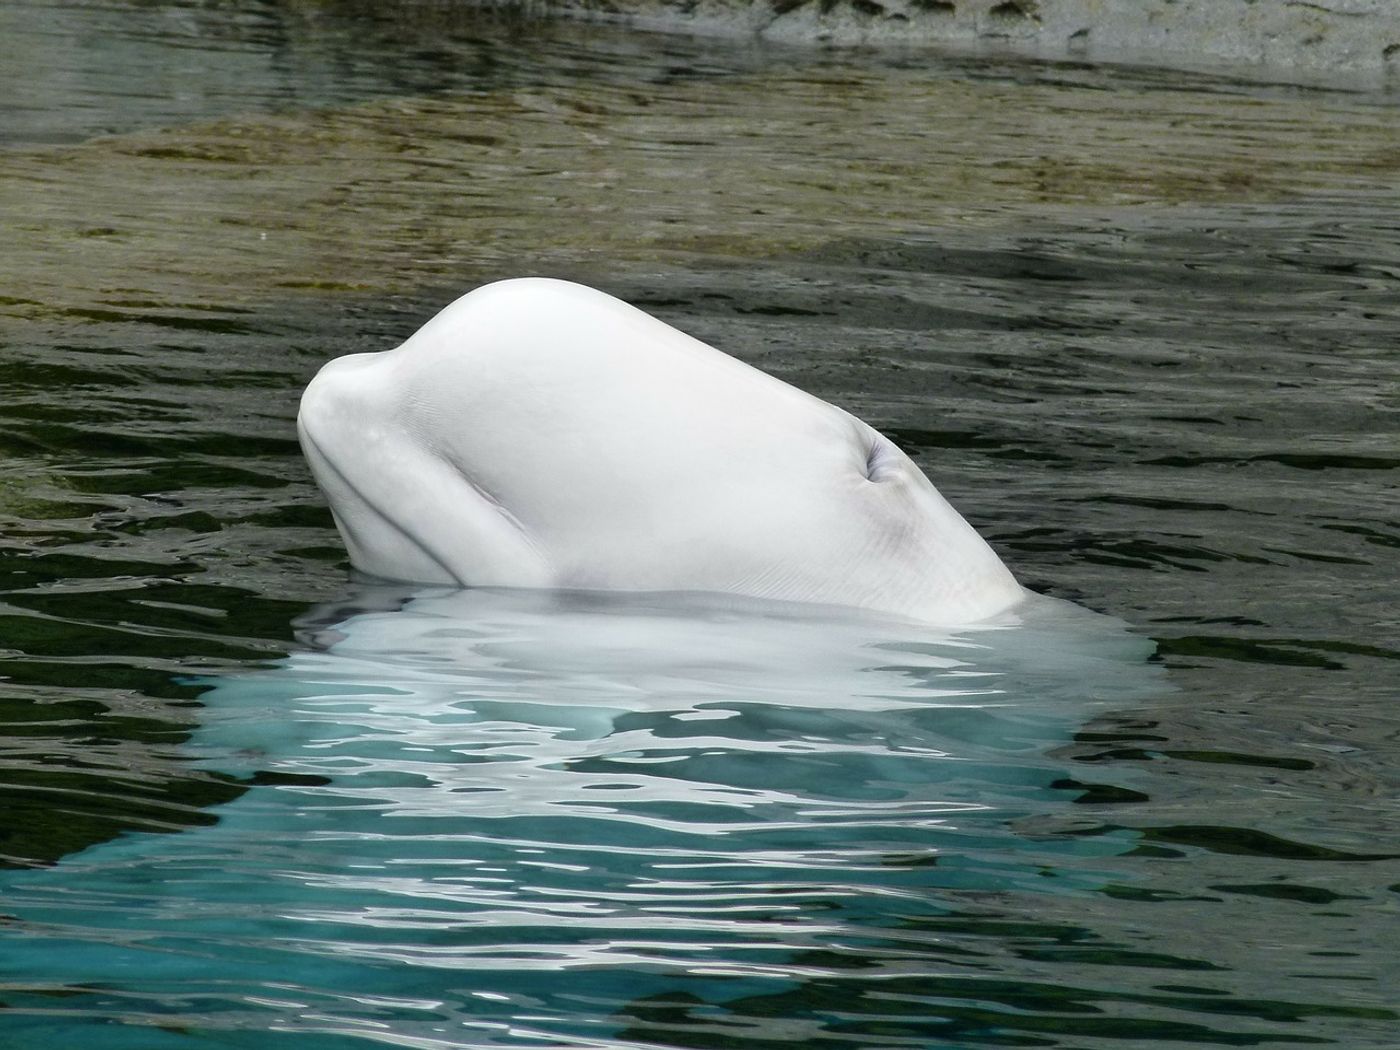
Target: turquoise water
{"type": "Point", "coordinates": [1139, 327]}
{"type": "Point", "coordinates": [506, 818]}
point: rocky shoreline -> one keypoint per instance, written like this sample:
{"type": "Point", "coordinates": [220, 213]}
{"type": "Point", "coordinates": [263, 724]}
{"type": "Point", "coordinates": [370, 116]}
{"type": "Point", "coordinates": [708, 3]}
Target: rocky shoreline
{"type": "Point", "coordinates": [1285, 39]}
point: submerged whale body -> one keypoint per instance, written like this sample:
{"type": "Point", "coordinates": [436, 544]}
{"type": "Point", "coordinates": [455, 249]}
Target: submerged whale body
{"type": "Point", "coordinates": [576, 666]}
{"type": "Point", "coordinates": [537, 433]}
{"type": "Point", "coordinates": [563, 797]}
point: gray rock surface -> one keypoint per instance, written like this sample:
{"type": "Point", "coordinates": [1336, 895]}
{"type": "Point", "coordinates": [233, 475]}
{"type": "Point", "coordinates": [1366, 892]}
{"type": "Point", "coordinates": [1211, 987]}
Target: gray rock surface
{"type": "Point", "coordinates": [1293, 39]}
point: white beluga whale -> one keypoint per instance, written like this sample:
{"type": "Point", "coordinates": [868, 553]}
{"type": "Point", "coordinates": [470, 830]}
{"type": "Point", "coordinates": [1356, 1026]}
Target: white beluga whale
{"type": "Point", "coordinates": [690, 676]}
{"type": "Point", "coordinates": [540, 434]}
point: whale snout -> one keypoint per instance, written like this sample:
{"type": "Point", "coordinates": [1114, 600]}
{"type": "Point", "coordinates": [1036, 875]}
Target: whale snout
{"type": "Point", "coordinates": [340, 397]}
{"type": "Point", "coordinates": [344, 424]}
{"type": "Point", "coordinates": [401, 500]}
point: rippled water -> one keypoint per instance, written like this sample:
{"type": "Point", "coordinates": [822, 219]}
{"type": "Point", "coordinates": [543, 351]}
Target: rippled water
{"type": "Point", "coordinates": [1140, 327]}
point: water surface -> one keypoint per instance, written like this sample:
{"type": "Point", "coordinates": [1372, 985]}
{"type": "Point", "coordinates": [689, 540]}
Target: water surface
{"type": "Point", "coordinates": [1139, 327]}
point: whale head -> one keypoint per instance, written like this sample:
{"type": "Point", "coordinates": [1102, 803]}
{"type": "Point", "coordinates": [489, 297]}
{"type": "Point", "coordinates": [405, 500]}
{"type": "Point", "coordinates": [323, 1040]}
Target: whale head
{"type": "Point", "coordinates": [538, 433]}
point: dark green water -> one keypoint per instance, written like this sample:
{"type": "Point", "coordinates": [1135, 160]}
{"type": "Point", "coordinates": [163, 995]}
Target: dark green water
{"type": "Point", "coordinates": [1140, 328]}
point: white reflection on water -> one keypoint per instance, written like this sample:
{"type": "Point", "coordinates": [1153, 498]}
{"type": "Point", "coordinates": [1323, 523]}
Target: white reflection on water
{"type": "Point", "coordinates": [517, 783]}
{"type": "Point", "coordinates": [542, 682]}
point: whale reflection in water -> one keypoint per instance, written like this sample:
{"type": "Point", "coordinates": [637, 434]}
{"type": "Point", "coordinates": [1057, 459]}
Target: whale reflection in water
{"type": "Point", "coordinates": [471, 810]}
{"type": "Point", "coordinates": [548, 701]}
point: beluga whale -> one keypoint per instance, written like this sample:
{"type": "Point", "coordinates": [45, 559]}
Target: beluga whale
{"type": "Point", "coordinates": [537, 433]}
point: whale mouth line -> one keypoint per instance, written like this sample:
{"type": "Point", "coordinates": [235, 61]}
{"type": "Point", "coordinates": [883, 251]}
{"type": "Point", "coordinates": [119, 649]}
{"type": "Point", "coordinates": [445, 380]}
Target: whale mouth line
{"type": "Point", "coordinates": [493, 501]}
{"type": "Point", "coordinates": [325, 461]}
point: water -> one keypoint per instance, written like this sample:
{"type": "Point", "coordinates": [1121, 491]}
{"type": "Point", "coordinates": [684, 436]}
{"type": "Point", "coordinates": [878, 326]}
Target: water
{"type": "Point", "coordinates": [1138, 326]}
